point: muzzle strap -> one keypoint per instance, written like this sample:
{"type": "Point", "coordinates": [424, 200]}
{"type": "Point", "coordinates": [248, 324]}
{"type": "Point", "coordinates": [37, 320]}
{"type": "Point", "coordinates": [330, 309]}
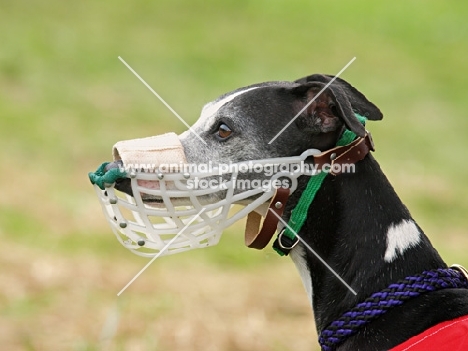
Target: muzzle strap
{"type": "Point", "coordinates": [256, 238]}
{"type": "Point", "coordinates": [349, 154]}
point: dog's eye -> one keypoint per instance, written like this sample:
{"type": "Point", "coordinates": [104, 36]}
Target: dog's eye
{"type": "Point", "coordinates": [224, 131]}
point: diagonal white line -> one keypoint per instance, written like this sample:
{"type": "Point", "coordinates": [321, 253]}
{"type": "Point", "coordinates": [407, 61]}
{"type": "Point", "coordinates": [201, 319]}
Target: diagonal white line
{"type": "Point", "coordinates": [315, 254]}
{"type": "Point", "coordinates": [160, 252]}
{"type": "Point", "coordinates": [161, 99]}
{"type": "Point", "coordinates": [311, 101]}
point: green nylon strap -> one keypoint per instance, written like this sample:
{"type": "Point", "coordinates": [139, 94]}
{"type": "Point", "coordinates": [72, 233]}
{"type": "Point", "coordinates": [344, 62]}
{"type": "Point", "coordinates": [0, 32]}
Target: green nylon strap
{"type": "Point", "coordinates": [299, 214]}
{"type": "Point", "coordinates": [102, 177]}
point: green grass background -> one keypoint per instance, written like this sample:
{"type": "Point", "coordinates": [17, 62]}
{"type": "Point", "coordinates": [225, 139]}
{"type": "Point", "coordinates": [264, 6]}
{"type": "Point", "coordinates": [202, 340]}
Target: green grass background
{"type": "Point", "coordinates": [65, 99]}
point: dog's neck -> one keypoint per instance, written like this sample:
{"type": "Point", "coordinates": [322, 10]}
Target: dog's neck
{"type": "Point", "coordinates": [360, 227]}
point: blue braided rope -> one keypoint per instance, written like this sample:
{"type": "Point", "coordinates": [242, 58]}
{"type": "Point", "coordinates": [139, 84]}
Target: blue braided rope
{"type": "Point", "coordinates": [394, 295]}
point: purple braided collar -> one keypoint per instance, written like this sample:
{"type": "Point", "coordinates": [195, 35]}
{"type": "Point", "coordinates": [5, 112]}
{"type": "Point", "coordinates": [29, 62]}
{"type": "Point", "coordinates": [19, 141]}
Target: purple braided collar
{"type": "Point", "coordinates": [394, 295]}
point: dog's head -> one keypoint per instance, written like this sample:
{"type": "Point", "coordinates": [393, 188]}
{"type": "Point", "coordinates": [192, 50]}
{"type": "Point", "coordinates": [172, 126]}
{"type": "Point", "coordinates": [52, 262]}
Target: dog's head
{"type": "Point", "coordinates": [276, 122]}
{"type": "Point", "coordinates": [255, 122]}
{"type": "Point", "coordinates": [271, 120]}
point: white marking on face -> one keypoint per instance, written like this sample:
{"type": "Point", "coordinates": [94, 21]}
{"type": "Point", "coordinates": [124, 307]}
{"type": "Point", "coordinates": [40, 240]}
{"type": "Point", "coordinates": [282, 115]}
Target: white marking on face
{"type": "Point", "coordinates": [401, 237]}
{"type": "Point", "coordinates": [210, 110]}
{"type": "Point", "coordinates": [298, 256]}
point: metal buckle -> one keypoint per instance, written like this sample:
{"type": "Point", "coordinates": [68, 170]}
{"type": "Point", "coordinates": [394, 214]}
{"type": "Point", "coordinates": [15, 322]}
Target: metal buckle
{"type": "Point", "coordinates": [460, 268]}
{"type": "Point", "coordinates": [280, 236]}
{"type": "Point", "coordinates": [370, 140]}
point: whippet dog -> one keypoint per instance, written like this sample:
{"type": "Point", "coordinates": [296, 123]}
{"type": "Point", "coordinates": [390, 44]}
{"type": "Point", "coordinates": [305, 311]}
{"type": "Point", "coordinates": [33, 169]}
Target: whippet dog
{"type": "Point", "coordinates": [356, 222]}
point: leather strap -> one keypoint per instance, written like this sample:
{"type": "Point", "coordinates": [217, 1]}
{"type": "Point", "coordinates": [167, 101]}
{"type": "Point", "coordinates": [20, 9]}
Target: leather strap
{"type": "Point", "coordinates": [258, 239]}
{"type": "Point", "coordinates": [341, 155]}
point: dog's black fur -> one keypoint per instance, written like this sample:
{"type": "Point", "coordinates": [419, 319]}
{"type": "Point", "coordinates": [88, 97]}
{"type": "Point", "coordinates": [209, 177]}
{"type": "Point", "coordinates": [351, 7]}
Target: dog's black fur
{"type": "Point", "coordinates": [347, 226]}
{"type": "Point", "coordinates": [349, 219]}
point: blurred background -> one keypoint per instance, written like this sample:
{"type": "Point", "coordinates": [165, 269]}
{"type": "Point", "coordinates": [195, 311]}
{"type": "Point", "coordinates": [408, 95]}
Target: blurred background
{"type": "Point", "coordinates": [65, 99]}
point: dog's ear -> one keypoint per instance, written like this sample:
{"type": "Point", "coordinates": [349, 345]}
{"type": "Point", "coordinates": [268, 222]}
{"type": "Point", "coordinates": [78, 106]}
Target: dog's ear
{"type": "Point", "coordinates": [347, 99]}
{"type": "Point", "coordinates": [324, 109]}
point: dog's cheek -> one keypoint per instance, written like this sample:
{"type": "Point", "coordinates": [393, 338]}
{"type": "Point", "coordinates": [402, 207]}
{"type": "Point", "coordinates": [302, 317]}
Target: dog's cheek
{"type": "Point", "coordinates": [195, 151]}
{"type": "Point", "coordinates": [310, 125]}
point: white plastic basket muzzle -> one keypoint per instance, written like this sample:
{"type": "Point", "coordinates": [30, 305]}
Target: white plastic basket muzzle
{"type": "Point", "coordinates": [167, 214]}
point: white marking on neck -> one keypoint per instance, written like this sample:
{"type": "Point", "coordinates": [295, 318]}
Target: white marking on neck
{"type": "Point", "coordinates": [297, 254]}
{"type": "Point", "coordinates": [211, 108]}
{"type": "Point", "coordinates": [401, 237]}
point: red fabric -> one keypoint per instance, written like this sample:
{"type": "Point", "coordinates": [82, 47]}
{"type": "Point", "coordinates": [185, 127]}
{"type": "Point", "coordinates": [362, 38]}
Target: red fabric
{"type": "Point", "coordinates": [446, 336]}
